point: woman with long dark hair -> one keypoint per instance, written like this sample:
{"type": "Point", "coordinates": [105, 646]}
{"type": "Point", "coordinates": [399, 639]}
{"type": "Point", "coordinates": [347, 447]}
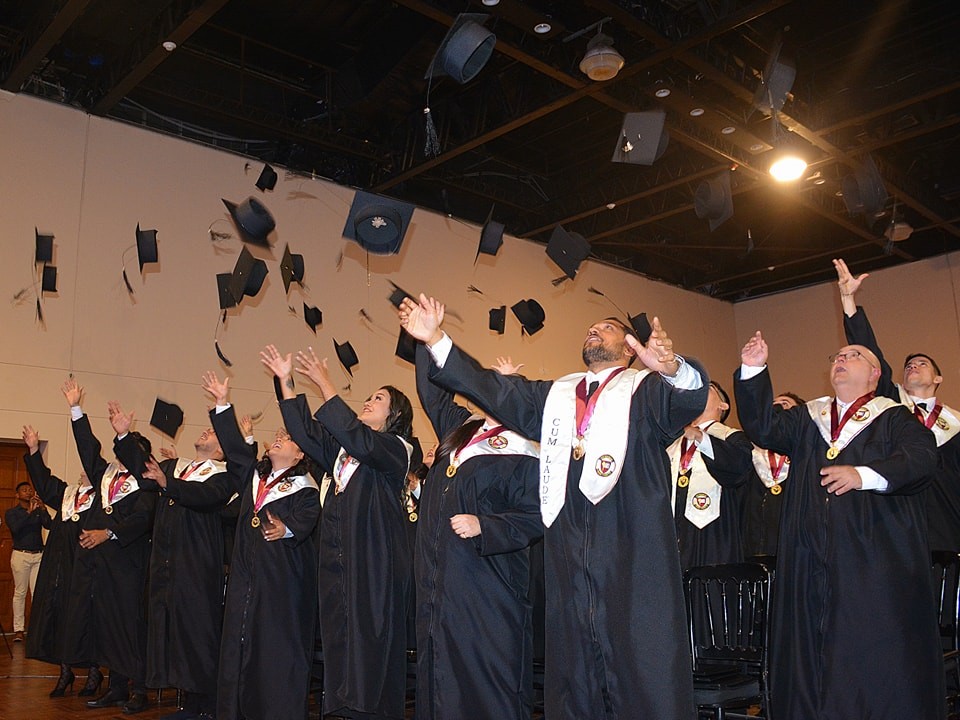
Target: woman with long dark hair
{"type": "Point", "coordinates": [478, 514]}
{"type": "Point", "coordinates": [268, 624]}
{"type": "Point", "coordinates": [364, 557]}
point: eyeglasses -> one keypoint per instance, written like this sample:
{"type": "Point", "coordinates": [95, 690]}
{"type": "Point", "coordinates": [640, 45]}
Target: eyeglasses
{"type": "Point", "coordinates": [846, 356]}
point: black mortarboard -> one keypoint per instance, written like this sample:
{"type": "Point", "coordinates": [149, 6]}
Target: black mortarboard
{"type": "Point", "coordinates": [146, 246]}
{"type": "Point", "coordinates": [248, 276]}
{"type": "Point", "coordinates": [641, 326]}
{"type": "Point", "coordinates": [167, 417]}
{"type": "Point", "coordinates": [312, 317]}
{"type": "Point", "coordinates": [498, 319]}
{"type": "Point", "coordinates": [224, 292]}
{"type": "Point", "coordinates": [491, 237]}
{"type": "Point", "coordinates": [49, 281]}
{"type": "Point", "coordinates": [776, 83]}
{"type": "Point", "coordinates": [642, 139]}
{"type": "Point", "coordinates": [863, 192]}
{"type": "Point", "coordinates": [713, 200]}
{"type": "Point", "coordinates": [398, 294]}
{"type": "Point", "coordinates": [465, 49]}
{"type": "Point", "coordinates": [530, 314]}
{"type": "Point", "coordinates": [347, 355]}
{"type": "Point", "coordinates": [568, 250]}
{"type": "Point", "coordinates": [291, 268]}
{"type": "Point", "coordinates": [267, 179]}
{"type": "Point", "coordinates": [44, 248]}
{"type": "Point", "coordinates": [406, 347]}
{"type": "Point", "coordinates": [377, 223]}
{"type": "Point", "coordinates": [253, 220]}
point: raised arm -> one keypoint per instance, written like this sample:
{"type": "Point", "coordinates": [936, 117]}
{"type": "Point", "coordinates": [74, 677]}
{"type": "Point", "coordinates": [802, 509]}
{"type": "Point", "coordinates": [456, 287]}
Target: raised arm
{"type": "Point", "coordinates": [88, 447]}
{"type": "Point", "coordinates": [445, 415]}
{"type": "Point", "coordinates": [49, 487]}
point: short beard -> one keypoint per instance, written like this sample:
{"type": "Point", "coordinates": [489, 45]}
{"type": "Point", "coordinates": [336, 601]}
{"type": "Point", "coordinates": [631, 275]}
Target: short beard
{"type": "Point", "coordinates": [598, 354]}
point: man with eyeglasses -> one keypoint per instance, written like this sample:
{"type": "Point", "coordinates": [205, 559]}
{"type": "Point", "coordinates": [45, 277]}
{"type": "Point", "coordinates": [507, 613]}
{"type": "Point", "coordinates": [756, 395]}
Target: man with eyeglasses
{"type": "Point", "coordinates": [918, 391]}
{"type": "Point", "coordinates": [854, 633]}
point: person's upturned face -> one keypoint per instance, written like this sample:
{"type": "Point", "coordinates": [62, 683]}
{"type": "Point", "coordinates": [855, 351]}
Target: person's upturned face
{"type": "Point", "coordinates": [25, 493]}
{"type": "Point", "coordinates": [853, 370]}
{"type": "Point", "coordinates": [284, 452]}
{"type": "Point", "coordinates": [376, 410]}
{"type": "Point", "coordinates": [208, 443]}
{"type": "Point", "coordinates": [714, 409]}
{"type": "Point", "coordinates": [785, 401]}
{"type": "Point", "coordinates": [605, 342]}
{"type": "Point", "coordinates": [919, 374]}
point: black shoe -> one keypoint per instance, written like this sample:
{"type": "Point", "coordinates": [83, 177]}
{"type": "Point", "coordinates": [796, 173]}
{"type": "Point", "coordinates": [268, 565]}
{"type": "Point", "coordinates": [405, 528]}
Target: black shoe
{"type": "Point", "coordinates": [180, 715]}
{"type": "Point", "coordinates": [65, 680]}
{"type": "Point", "coordinates": [136, 703]}
{"type": "Point", "coordinates": [92, 686]}
{"type": "Point", "coordinates": [111, 698]}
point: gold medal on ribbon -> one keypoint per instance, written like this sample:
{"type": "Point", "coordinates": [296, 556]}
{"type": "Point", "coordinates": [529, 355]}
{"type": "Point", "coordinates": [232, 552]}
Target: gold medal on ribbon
{"type": "Point", "coordinates": [578, 451]}
{"type": "Point", "coordinates": [451, 470]}
{"type": "Point", "coordinates": [683, 481]}
{"type": "Point", "coordinates": [171, 502]}
{"type": "Point", "coordinates": [776, 490]}
{"type": "Point", "coordinates": [108, 509]}
{"type": "Point", "coordinates": [832, 453]}
{"type": "Point", "coordinates": [75, 517]}
{"type": "Point", "coordinates": [255, 521]}
{"type": "Point", "coordinates": [412, 517]}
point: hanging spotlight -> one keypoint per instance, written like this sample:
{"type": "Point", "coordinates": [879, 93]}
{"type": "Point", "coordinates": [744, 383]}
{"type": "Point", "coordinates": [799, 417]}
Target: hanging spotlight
{"type": "Point", "coordinates": [788, 167]}
{"type": "Point", "coordinates": [601, 61]}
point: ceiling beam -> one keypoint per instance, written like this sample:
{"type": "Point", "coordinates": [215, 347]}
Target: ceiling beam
{"type": "Point", "coordinates": [190, 18]}
{"type": "Point", "coordinates": [32, 56]}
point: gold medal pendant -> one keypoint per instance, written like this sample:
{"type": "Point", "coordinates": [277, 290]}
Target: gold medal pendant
{"type": "Point", "coordinates": [832, 453]}
{"type": "Point", "coordinates": [75, 517]}
{"type": "Point", "coordinates": [451, 470]}
{"type": "Point", "coordinates": [171, 502]}
{"type": "Point", "coordinates": [683, 481]}
{"type": "Point", "coordinates": [776, 490]}
{"type": "Point", "coordinates": [108, 509]}
{"type": "Point", "coordinates": [578, 451]}
{"type": "Point", "coordinates": [412, 517]}
{"type": "Point", "coordinates": [255, 521]}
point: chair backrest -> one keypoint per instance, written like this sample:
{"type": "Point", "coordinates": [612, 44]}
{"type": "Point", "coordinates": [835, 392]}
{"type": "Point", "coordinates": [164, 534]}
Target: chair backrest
{"type": "Point", "coordinates": [728, 612]}
{"type": "Point", "coordinates": [946, 585]}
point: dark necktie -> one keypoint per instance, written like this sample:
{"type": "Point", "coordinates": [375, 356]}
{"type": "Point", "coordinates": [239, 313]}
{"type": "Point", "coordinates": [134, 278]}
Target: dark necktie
{"type": "Point", "coordinates": [920, 410]}
{"type": "Point", "coordinates": [592, 388]}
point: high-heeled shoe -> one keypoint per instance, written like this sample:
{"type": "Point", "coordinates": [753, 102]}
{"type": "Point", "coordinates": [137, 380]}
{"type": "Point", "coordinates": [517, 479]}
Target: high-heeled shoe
{"type": "Point", "coordinates": [65, 680]}
{"type": "Point", "coordinates": [92, 686]}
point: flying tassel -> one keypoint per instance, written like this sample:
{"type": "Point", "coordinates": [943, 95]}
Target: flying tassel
{"type": "Point", "coordinates": [557, 282]}
{"type": "Point", "coordinates": [126, 281]}
{"type": "Point", "coordinates": [39, 312]}
{"type": "Point", "coordinates": [20, 294]}
{"type": "Point", "coordinates": [431, 147]}
{"type": "Point", "coordinates": [223, 358]}
{"type": "Point", "coordinates": [474, 289]}
{"type": "Point", "coordinates": [365, 315]}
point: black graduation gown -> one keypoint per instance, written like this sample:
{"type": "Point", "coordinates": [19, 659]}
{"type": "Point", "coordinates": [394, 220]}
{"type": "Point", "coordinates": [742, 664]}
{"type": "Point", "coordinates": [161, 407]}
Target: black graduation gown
{"type": "Point", "coordinates": [474, 629]}
{"type": "Point", "coordinates": [760, 517]}
{"type": "Point", "coordinates": [720, 541]}
{"type": "Point", "coordinates": [616, 629]}
{"type": "Point", "coordinates": [48, 611]}
{"type": "Point", "coordinates": [942, 496]}
{"type": "Point", "coordinates": [270, 613]}
{"type": "Point", "coordinates": [185, 589]}
{"type": "Point", "coordinates": [854, 631]}
{"type": "Point", "coordinates": [106, 614]}
{"type": "Point", "coordinates": [364, 560]}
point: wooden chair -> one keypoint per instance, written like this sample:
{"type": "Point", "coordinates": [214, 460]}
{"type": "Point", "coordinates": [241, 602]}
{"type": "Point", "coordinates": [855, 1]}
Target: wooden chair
{"type": "Point", "coordinates": [728, 617]}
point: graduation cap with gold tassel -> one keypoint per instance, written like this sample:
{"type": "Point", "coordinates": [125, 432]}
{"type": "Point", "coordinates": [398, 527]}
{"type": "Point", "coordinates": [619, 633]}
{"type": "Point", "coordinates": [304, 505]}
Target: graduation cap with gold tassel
{"type": "Point", "coordinates": [146, 247]}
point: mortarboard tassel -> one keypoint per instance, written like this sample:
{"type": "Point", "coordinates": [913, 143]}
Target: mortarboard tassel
{"type": "Point", "coordinates": [474, 289]}
{"type": "Point", "coordinates": [431, 147]}
{"type": "Point", "coordinates": [557, 282]}
{"type": "Point", "coordinates": [39, 311]}
{"type": "Point", "coordinates": [126, 281]}
{"type": "Point", "coordinates": [223, 358]}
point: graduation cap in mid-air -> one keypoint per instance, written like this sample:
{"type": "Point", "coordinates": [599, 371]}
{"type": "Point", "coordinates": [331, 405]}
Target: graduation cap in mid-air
{"type": "Point", "coordinates": [253, 220]}
{"type": "Point", "coordinates": [167, 417]}
{"type": "Point", "coordinates": [347, 355]}
{"type": "Point", "coordinates": [378, 224]}
{"type": "Point", "coordinates": [530, 314]}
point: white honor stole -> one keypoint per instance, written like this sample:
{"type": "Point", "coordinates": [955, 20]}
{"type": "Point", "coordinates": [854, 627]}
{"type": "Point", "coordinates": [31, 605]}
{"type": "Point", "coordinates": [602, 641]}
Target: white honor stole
{"type": "Point", "coordinates": [819, 410]}
{"type": "Point", "coordinates": [68, 508]}
{"type": "Point", "coordinates": [201, 472]}
{"type": "Point", "coordinates": [605, 440]}
{"type": "Point", "coordinates": [703, 492]}
{"type": "Point", "coordinates": [946, 425]}
{"type": "Point", "coordinates": [345, 465]}
{"type": "Point", "coordinates": [761, 464]}
{"type": "Point", "coordinates": [127, 487]}
{"type": "Point", "coordinates": [506, 442]}
{"type": "Point", "coordinates": [287, 487]}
